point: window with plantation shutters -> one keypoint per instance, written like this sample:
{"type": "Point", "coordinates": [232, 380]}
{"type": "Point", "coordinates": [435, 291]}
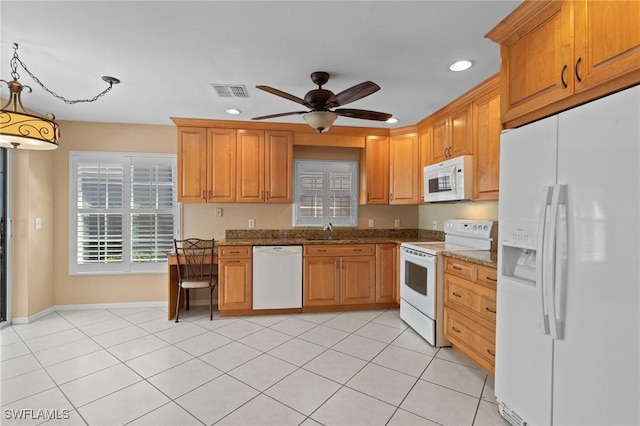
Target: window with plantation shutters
{"type": "Point", "coordinates": [124, 213]}
{"type": "Point", "coordinates": [326, 192]}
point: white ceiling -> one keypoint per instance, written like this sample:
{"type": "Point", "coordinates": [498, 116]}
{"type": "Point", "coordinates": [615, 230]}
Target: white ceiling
{"type": "Point", "coordinates": [167, 54]}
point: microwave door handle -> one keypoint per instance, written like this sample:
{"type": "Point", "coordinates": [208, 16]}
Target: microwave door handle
{"type": "Point", "coordinates": [452, 179]}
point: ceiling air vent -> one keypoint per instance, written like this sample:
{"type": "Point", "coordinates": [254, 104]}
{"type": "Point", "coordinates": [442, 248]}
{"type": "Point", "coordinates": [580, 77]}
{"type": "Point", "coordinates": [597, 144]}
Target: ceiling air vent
{"type": "Point", "coordinates": [230, 90]}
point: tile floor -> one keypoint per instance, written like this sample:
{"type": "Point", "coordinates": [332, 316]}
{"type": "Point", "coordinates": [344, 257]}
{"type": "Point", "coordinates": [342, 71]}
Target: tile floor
{"type": "Point", "coordinates": [132, 366]}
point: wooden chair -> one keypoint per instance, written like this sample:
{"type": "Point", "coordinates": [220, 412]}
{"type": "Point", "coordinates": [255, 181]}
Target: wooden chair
{"type": "Point", "coordinates": [195, 269]}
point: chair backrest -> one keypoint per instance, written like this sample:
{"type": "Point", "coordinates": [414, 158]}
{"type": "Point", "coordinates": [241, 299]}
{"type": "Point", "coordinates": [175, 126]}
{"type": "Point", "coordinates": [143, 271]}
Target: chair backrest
{"type": "Point", "coordinates": [195, 259]}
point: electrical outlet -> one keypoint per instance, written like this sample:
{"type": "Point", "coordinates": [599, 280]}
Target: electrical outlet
{"type": "Point", "coordinates": [396, 223]}
{"type": "Point", "coordinates": [371, 223]}
{"type": "Point", "coordinates": [38, 223]}
{"type": "Point", "coordinates": [252, 223]}
{"type": "Point", "coordinates": [435, 224]}
{"type": "Point", "coordinates": [218, 212]}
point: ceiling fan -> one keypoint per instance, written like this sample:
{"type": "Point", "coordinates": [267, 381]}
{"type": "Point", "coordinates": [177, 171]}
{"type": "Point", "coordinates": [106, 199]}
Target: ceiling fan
{"type": "Point", "coordinates": [321, 101]}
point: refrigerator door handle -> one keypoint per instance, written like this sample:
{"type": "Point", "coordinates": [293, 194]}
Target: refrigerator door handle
{"type": "Point", "coordinates": [561, 250]}
{"type": "Point", "coordinates": [541, 262]}
{"type": "Point", "coordinates": [554, 281]}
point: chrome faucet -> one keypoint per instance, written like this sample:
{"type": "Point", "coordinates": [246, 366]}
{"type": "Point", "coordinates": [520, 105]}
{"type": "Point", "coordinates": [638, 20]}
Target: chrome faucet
{"type": "Point", "coordinates": [329, 230]}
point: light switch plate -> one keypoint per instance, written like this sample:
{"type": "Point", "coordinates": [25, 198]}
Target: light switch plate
{"type": "Point", "coordinates": [435, 224]}
{"type": "Point", "coordinates": [396, 223]}
{"type": "Point", "coordinates": [371, 223]}
{"type": "Point", "coordinates": [252, 223]}
{"type": "Point", "coordinates": [218, 212]}
{"type": "Point", "coordinates": [38, 223]}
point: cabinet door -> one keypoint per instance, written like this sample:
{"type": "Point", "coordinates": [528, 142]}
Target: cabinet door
{"type": "Point", "coordinates": [403, 169]}
{"type": "Point", "coordinates": [607, 41]}
{"type": "Point", "coordinates": [387, 278]}
{"type": "Point", "coordinates": [321, 281]}
{"type": "Point", "coordinates": [537, 61]}
{"type": "Point", "coordinates": [278, 164]}
{"type": "Point", "coordinates": [486, 145]}
{"type": "Point", "coordinates": [192, 165]}
{"type": "Point", "coordinates": [426, 139]}
{"type": "Point", "coordinates": [440, 142]}
{"type": "Point", "coordinates": [461, 143]}
{"type": "Point", "coordinates": [358, 276]}
{"type": "Point", "coordinates": [221, 173]}
{"type": "Point", "coordinates": [374, 183]}
{"type": "Point", "coordinates": [250, 166]}
{"type": "Point", "coordinates": [234, 284]}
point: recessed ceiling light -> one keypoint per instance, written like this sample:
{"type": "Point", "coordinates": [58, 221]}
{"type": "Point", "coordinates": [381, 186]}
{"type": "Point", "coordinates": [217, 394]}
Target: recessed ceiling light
{"type": "Point", "coordinates": [232, 111]}
{"type": "Point", "coordinates": [392, 120]}
{"type": "Point", "coordinates": [460, 65]}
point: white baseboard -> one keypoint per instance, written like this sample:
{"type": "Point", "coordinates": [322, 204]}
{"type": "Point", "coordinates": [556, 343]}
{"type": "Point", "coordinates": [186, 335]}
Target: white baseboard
{"type": "Point", "coordinates": [87, 306]}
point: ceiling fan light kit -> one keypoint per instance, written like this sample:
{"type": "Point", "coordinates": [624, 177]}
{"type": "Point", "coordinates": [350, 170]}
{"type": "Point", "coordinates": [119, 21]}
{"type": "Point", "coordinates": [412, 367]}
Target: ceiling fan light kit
{"type": "Point", "coordinates": [320, 120]}
{"type": "Point", "coordinates": [322, 101]}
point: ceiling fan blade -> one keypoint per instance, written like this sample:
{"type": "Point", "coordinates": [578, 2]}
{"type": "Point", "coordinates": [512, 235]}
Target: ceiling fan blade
{"type": "Point", "coordinates": [285, 95]}
{"type": "Point", "coordinates": [282, 114]}
{"type": "Point", "coordinates": [363, 114]}
{"type": "Point", "coordinates": [351, 94]}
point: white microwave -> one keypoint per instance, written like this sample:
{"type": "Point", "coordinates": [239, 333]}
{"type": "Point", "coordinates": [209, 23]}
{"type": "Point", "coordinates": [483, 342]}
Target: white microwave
{"type": "Point", "coordinates": [450, 180]}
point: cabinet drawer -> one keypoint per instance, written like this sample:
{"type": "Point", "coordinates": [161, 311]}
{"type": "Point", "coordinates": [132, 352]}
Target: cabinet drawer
{"type": "Point", "coordinates": [478, 299]}
{"type": "Point", "coordinates": [459, 268]}
{"type": "Point", "coordinates": [486, 276]}
{"type": "Point", "coordinates": [476, 341]}
{"type": "Point", "coordinates": [234, 251]}
{"type": "Point", "coordinates": [340, 250]}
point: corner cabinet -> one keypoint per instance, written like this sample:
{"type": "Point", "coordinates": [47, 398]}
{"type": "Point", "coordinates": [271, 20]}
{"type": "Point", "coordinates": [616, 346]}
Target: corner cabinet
{"type": "Point", "coordinates": [374, 171]}
{"type": "Point", "coordinates": [404, 173]}
{"type": "Point", "coordinates": [206, 165]}
{"type": "Point", "coordinates": [264, 167]}
{"type": "Point", "coordinates": [234, 278]}
{"type": "Point", "coordinates": [559, 54]}
{"type": "Point", "coordinates": [470, 311]}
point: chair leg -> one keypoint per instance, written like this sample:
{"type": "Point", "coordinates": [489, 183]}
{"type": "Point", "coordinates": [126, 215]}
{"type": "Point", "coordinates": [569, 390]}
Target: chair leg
{"type": "Point", "coordinates": [178, 303]}
{"type": "Point", "coordinates": [186, 295]}
{"type": "Point", "coordinates": [211, 304]}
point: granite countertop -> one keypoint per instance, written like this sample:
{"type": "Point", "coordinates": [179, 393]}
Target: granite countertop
{"type": "Point", "coordinates": [479, 257]}
{"type": "Point", "coordinates": [309, 241]}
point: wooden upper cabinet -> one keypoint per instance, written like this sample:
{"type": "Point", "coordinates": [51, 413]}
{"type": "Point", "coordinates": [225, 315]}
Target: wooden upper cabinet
{"type": "Point", "coordinates": [403, 169]}
{"type": "Point", "coordinates": [192, 164]}
{"type": "Point", "coordinates": [221, 170]}
{"type": "Point", "coordinates": [206, 165]}
{"type": "Point", "coordinates": [426, 140]}
{"type": "Point", "coordinates": [460, 142]}
{"type": "Point", "coordinates": [452, 134]}
{"type": "Point", "coordinates": [607, 40]}
{"type": "Point", "coordinates": [265, 161]}
{"type": "Point", "coordinates": [537, 60]}
{"type": "Point", "coordinates": [374, 171]}
{"type": "Point", "coordinates": [278, 167]}
{"type": "Point", "coordinates": [250, 175]}
{"type": "Point", "coordinates": [486, 145]}
{"type": "Point", "coordinates": [559, 54]}
{"type": "Point", "coordinates": [440, 139]}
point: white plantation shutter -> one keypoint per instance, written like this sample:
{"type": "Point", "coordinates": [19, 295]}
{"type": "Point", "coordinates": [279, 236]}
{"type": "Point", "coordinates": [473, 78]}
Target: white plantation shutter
{"type": "Point", "coordinates": [326, 191]}
{"type": "Point", "coordinates": [123, 212]}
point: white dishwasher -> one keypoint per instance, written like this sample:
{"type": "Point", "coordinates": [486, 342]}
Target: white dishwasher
{"type": "Point", "coordinates": [277, 277]}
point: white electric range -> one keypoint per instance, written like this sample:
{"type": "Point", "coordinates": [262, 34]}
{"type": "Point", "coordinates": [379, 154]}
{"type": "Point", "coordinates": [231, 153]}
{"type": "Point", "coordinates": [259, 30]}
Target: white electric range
{"type": "Point", "coordinates": [422, 275]}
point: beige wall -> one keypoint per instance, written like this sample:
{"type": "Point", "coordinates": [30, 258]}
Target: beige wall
{"type": "Point", "coordinates": [84, 136]}
{"type": "Point", "coordinates": [32, 255]}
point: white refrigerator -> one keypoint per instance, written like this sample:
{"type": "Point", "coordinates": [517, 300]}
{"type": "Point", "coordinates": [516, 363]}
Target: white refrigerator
{"type": "Point", "coordinates": [568, 302]}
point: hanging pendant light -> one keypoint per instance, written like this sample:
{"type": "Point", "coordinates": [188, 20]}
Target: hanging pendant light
{"type": "Point", "coordinates": [20, 129]}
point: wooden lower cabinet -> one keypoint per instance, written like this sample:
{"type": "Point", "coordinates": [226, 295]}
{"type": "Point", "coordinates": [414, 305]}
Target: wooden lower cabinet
{"type": "Point", "coordinates": [339, 275]}
{"type": "Point", "coordinates": [387, 278]}
{"type": "Point", "coordinates": [234, 278]}
{"type": "Point", "coordinates": [470, 311]}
